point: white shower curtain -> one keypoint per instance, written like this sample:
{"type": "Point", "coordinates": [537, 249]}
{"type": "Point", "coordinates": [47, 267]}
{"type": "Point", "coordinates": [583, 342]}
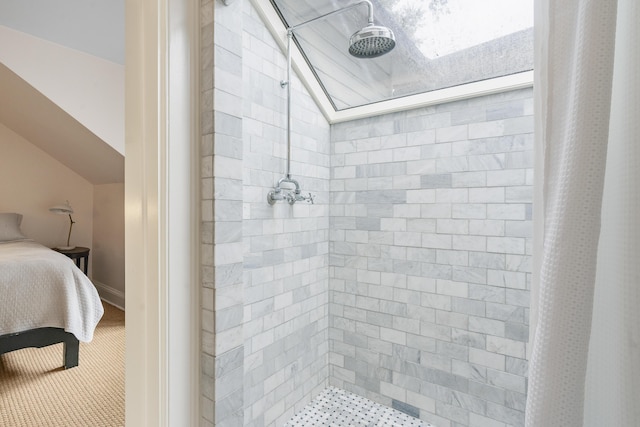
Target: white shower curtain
{"type": "Point", "coordinates": [585, 354]}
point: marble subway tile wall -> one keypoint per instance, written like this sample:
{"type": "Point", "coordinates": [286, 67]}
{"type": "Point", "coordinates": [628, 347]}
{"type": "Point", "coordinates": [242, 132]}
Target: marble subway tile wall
{"type": "Point", "coordinates": [284, 248]}
{"type": "Point", "coordinates": [264, 268]}
{"type": "Point", "coordinates": [430, 243]}
{"type": "Point", "coordinates": [222, 311]}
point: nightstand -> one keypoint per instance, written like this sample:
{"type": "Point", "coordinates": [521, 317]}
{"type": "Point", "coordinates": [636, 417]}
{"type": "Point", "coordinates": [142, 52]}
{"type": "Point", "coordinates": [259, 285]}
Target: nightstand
{"type": "Point", "coordinates": [77, 254]}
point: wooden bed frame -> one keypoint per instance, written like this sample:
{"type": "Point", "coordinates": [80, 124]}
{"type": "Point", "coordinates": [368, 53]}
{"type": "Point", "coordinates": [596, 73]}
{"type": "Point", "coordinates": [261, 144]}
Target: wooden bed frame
{"type": "Point", "coordinates": [43, 337]}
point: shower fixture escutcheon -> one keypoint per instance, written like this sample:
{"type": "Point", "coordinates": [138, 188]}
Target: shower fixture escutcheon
{"type": "Point", "coordinates": [369, 42]}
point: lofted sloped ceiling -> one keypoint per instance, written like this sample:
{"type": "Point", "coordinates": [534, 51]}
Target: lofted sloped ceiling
{"type": "Point", "coordinates": [445, 49]}
{"type": "Point", "coordinates": [62, 81]}
{"type": "Point", "coordinates": [32, 115]}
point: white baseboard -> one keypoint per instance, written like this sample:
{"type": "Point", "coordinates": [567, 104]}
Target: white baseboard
{"type": "Point", "coordinates": [110, 295]}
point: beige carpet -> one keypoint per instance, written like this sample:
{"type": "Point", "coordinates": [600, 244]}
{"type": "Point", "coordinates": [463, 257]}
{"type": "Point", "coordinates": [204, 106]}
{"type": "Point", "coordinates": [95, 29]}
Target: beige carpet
{"type": "Point", "coordinates": [36, 391]}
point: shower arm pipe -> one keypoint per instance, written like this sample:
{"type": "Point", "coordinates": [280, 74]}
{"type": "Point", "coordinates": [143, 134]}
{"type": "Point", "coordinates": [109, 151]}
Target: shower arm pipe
{"type": "Point", "coordinates": [333, 12]}
{"type": "Point", "coordinates": [287, 83]}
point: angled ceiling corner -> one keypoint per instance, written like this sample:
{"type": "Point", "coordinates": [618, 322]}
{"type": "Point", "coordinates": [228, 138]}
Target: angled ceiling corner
{"type": "Point", "coordinates": [36, 118]}
{"type": "Point", "coordinates": [89, 88]}
{"type": "Point", "coordinates": [273, 23]}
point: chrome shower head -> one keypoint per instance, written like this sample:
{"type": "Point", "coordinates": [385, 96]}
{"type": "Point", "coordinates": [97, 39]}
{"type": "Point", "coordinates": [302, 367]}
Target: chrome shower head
{"type": "Point", "coordinates": [371, 41]}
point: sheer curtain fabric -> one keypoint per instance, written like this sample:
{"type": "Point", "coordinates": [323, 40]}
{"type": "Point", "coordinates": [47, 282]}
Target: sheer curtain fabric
{"type": "Point", "coordinates": [585, 365]}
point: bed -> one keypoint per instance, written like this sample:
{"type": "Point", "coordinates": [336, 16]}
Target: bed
{"type": "Point", "coordinates": [45, 298]}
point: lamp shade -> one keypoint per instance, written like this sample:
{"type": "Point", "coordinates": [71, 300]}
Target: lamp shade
{"type": "Point", "coordinates": [65, 209]}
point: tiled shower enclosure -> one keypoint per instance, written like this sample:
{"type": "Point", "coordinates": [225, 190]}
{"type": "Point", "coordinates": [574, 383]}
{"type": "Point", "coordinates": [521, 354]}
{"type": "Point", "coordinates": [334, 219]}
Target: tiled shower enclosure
{"type": "Point", "coordinates": [406, 283]}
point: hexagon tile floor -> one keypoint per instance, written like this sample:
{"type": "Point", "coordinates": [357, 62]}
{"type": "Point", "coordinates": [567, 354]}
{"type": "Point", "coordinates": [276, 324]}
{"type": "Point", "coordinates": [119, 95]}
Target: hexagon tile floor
{"type": "Point", "coordinates": [335, 407]}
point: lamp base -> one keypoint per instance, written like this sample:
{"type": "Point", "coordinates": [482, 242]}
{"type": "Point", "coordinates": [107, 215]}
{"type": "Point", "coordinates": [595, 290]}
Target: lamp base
{"type": "Point", "coordinates": [65, 248]}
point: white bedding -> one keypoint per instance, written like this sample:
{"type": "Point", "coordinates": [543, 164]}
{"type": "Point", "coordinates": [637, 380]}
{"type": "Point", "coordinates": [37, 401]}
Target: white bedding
{"type": "Point", "coordinates": [43, 288]}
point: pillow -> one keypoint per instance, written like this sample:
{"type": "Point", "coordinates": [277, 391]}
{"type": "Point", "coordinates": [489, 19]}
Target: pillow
{"type": "Point", "coordinates": [10, 227]}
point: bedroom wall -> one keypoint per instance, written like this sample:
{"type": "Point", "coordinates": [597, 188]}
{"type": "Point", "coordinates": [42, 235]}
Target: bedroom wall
{"type": "Point", "coordinates": [31, 182]}
{"type": "Point", "coordinates": [108, 238]}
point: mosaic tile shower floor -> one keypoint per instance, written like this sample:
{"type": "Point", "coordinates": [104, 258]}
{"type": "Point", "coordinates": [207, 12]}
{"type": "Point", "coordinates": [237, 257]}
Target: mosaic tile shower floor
{"type": "Point", "coordinates": [335, 407]}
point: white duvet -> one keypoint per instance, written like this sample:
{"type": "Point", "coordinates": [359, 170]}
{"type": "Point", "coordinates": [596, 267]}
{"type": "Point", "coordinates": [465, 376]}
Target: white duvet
{"type": "Point", "coordinates": [43, 288]}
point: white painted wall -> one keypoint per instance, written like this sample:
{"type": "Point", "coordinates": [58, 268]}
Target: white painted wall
{"type": "Point", "coordinates": [31, 182]}
{"type": "Point", "coordinates": [108, 237]}
{"type": "Point", "coordinates": [89, 88]}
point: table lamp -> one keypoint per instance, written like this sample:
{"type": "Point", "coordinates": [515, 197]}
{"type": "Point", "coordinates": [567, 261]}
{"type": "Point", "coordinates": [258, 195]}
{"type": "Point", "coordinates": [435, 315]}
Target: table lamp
{"type": "Point", "coordinates": [65, 209]}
